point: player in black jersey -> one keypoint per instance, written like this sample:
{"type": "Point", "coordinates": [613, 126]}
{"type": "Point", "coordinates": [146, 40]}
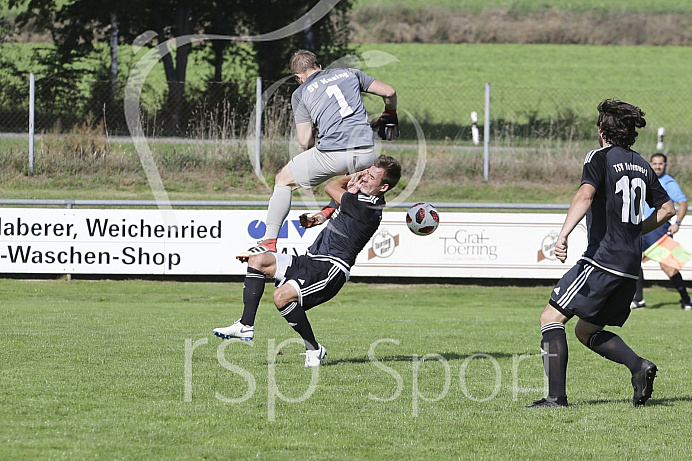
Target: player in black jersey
{"type": "Point", "coordinates": [616, 181]}
{"type": "Point", "coordinates": [314, 278]}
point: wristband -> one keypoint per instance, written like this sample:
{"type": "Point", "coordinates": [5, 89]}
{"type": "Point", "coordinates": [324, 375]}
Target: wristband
{"type": "Point", "coordinates": [678, 222]}
{"type": "Point", "coordinates": [327, 211]}
{"type": "Point", "coordinates": [390, 111]}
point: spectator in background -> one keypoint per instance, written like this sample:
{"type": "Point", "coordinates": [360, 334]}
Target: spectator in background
{"type": "Point", "coordinates": [658, 163]}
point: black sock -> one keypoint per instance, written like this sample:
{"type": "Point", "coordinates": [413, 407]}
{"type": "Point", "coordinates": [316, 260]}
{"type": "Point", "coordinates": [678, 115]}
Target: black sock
{"type": "Point", "coordinates": [612, 347]}
{"type": "Point", "coordinates": [253, 289]}
{"type": "Point", "coordinates": [295, 316]}
{"type": "Point", "coordinates": [639, 294]}
{"type": "Point", "coordinates": [679, 284]}
{"type": "Point", "coordinates": [554, 351]}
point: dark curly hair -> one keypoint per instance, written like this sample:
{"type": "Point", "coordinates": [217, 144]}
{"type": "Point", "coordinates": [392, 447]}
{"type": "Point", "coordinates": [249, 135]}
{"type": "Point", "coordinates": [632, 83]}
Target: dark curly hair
{"type": "Point", "coordinates": [619, 122]}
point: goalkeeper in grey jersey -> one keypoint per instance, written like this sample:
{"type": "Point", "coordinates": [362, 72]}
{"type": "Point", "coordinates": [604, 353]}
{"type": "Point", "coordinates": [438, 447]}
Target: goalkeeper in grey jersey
{"type": "Point", "coordinates": [328, 101]}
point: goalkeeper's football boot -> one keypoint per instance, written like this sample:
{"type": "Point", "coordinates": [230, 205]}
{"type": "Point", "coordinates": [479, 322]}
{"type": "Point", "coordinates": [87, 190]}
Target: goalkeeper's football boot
{"type": "Point", "coordinates": [265, 246]}
{"type": "Point", "coordinates": [236, 331]}
{"type": "Point", "coordinates": [314, 358]}
{"type": "Point", "coordinates": [550, 402]}
{"type": "Point", "coordinates": [643, 382]}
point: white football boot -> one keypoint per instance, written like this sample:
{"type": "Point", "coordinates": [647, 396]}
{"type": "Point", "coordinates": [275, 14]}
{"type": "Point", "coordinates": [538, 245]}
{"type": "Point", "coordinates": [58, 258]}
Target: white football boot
{"type": "Point", "coordinates": [314, 358]}
{"type": "Point", "coordinates": [236, 331]}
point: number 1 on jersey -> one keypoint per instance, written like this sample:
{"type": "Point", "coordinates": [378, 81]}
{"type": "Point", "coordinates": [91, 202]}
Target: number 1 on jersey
{"type": "Point", "coordinates": [344, 108]}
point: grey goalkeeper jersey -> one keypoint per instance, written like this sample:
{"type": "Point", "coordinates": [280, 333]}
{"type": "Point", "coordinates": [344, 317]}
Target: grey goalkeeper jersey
{"type": "Point", "coordinates": [331, 100]}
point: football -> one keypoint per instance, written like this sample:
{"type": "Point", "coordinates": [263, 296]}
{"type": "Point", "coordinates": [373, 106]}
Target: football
{"type": "Point", "coordinates": [422, 219]}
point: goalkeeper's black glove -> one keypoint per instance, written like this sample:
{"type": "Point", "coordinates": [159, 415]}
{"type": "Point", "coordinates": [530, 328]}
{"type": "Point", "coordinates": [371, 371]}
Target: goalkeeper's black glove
{"type": "Point", "coordinates": [387, 125]}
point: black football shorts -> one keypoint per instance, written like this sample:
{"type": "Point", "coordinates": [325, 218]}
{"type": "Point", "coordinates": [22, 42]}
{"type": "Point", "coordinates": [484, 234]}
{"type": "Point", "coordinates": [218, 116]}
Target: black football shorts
{"type": "Point", "coordinates": [594, 295]}
{"type": "Point", "coordinates": [315, 281]}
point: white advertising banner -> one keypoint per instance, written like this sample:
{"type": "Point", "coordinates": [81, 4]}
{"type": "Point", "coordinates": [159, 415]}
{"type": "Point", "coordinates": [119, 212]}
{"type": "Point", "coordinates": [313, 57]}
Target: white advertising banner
{"type": "Point", "coordinates": [483, 245]}
{"type": "Point", "coordinates": [205, 242]}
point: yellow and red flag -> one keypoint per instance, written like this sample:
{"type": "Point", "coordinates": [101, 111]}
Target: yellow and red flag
{"type": "Point", "coordinates": [668, 252]}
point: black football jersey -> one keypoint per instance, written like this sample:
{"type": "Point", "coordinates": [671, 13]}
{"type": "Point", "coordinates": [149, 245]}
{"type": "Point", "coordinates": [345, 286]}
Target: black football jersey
{"type": "Point", "coordinates": [349, 229]}
{"type": "Point", "coordinates": [623, 182]}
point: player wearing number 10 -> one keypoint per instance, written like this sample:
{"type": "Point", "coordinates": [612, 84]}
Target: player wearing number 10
{"type": "Point", "coordinates": [616, 181]}
{"type": "Point", "coordinates": [329, 101]}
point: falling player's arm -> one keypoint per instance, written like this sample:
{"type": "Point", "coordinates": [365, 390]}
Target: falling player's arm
{"type": "Point", "coordinates": [336, 188]}
{"type": "Point", "coordinates": [661, 214]}
{"type": "Point", "coordinates": [353, 182]}
{"type": "Point", "coordinates": [577, 210]}
{"type": "Point", "coordinates": [305, 135]}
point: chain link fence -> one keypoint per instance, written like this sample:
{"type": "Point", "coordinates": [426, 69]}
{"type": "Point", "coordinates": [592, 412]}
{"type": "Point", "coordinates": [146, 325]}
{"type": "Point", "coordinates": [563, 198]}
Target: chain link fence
{"type": "Point", "coordinates": [520, 117]}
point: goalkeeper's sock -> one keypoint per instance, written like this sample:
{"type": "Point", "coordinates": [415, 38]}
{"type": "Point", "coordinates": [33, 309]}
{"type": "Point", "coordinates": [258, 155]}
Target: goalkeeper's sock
{"type": "Point", "coordinates": [253, 289]}
{"type": "Point", "coordinates": [296, 317]}
{"type": "Point", "coordinates": [279, 206]}
{"type": "Point", "coordinates": [612, 347]}
{"type": "Point", "coordinates": [679, 284]}
{"type": "Point", "coordinates": [555, 355]}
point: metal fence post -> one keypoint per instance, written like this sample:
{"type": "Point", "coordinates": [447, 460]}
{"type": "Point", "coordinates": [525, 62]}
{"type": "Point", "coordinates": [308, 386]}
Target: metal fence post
{"type": "Point", "coordinates": [486, 135]}
{"type": "Point", "coordinates": [32, 82]}
{"type": "Point", "coordinates": [258, 127]}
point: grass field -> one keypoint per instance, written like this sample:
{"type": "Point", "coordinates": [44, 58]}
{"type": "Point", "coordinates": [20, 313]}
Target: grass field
{"type": "Point", "coordinates": [567, 67]}
{"type": "Point", "coordinates": [130, 370]}
{"type": "Point", "coordinates": [446, 82]}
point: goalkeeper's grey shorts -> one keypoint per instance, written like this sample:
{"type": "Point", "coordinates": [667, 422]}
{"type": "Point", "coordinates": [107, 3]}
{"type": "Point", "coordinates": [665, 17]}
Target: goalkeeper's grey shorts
{"type": "Point", "coordinates": [313, 167]}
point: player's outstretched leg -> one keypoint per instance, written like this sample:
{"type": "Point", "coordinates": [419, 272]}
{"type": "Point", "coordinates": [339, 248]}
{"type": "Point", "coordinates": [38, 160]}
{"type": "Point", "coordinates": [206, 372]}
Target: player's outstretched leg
{"type": "Point", "coordinates": [253, 289]}
{"type": "Point", "coordinates": [244, 328]}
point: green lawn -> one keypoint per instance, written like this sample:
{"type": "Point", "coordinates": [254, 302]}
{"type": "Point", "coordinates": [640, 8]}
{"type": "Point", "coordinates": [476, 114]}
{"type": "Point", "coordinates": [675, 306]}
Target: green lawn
{"type": "Point", "coordinates": [130, 370]}
{"type": "Point", "coordinates": [445, 83]}
{"type": "Point", "coordinates": [567, 67]}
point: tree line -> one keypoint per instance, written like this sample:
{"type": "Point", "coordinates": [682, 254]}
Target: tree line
{"type": "Point", "coordinates": [79, 28]}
